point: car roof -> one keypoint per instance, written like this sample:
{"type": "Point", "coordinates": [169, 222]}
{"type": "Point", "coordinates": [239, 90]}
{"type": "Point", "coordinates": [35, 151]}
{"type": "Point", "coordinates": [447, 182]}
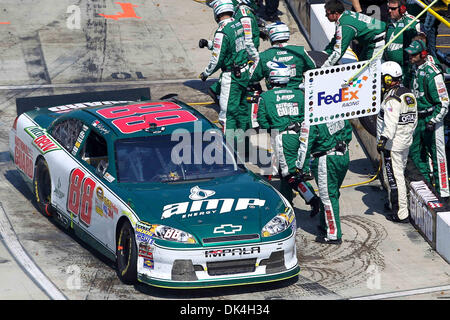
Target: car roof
{"type": "Point", "coordinates": [105, 118]}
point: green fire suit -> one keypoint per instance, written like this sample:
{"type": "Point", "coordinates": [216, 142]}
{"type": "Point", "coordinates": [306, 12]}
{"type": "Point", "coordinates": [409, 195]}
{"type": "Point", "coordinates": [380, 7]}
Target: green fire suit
{"type": "Point", "coordinates": [432, 105]}
{"type": "Point", "coordinates": [328, 145]}
{"type": "Point", "coordinates": [249, 22]}
{"type": "Point", "coordinates": [293, 56]}
{"type": "Point", "coordinates": [356, 26]}
{"type": "Point", "coordinates": [395, 51]}
{"type": "Point", "coordinates": [229, 54]}
{"type": "Point", "coordinates": [282, 111]}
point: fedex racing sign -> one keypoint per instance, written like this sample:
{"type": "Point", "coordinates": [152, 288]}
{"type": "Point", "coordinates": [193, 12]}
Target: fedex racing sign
{"type": "Point", "coordinates": [329, 96]}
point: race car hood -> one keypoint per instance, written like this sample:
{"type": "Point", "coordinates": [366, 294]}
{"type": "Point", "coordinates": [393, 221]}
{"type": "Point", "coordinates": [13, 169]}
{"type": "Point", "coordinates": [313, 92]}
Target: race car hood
{"type": "Point", "coordinates": [234, 205]}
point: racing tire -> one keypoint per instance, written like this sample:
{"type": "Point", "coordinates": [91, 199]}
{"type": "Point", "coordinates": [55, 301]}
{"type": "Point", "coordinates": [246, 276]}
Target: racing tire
{"type": "Point", "coordinates": [43, 187]}
{"type": "Point", "coordinates": [126, 254]}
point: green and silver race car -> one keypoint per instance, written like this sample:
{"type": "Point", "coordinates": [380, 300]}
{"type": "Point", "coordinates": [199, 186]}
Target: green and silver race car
{"type": "Point", "coordinates": [153, 186]}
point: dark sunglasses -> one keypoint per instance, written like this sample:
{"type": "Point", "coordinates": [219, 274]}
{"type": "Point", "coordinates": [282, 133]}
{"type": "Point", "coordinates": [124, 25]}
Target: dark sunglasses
{"type": "Point", "coordinates": [393, 8]}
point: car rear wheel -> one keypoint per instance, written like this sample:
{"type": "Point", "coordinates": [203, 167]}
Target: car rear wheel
{"type": "Point", "coordinates": [126, 252]}
{"type": "Point", "coordinates": [43, 187]}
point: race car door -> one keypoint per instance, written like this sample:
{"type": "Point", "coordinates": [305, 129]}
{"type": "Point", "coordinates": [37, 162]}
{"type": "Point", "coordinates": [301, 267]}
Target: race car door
{"type": "Point", "coordinates": [69, 133]}
{"type": "Point", "coordinates": [99, 206]}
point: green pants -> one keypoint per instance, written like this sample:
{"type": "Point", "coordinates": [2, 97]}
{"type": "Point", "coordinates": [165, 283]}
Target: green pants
{"type": "Point", "coordinates": [248, 106]}
{"type": "Point", "coordinates": [431, 145]}
{"type": "Point", "coordinates": [329, 172]}
{"type": "Point", "coordinates": [232, 91]}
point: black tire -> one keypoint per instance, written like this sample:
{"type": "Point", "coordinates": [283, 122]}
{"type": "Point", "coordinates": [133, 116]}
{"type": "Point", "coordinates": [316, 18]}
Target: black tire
{"type": "Point", "coordinates": [126, 254]}
{"type": "Point", "coordinates": [43, 187]}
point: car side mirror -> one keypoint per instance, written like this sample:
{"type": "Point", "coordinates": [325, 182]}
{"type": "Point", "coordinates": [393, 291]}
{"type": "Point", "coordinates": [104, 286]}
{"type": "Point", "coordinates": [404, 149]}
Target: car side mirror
{"type": "Point", "coordinates": [101, 167]}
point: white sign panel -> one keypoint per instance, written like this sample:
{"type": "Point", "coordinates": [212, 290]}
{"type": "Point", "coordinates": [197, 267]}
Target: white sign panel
{"type": "Point", "coordinates": [329, 98]}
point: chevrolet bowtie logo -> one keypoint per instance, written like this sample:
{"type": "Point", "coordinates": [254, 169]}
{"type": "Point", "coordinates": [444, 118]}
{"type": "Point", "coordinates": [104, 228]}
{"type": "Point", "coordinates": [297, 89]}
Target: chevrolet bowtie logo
{"type": "Point", "coordinates": [227, 229]}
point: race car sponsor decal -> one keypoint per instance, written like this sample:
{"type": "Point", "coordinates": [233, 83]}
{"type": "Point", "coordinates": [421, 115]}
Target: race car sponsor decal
{"type": "Point", "coordinates": [227, 229]}
{"type": "Point", "coordinates": [104, 206]}
{"type": "Point", "coordinates": [80, 194]}
{"type": "Point", "coordinates": [80, 139]}
{"type": "Point", "coordinates": [210, 206]}
{"type": "Point", "coordinates": [144, 233]}
{"type": "Point", "coordinates": [145, 251]}
{"type": "Point", "coordinates": [136, 117]}
{"type": "Point", "coordinates": [97, 124]}
{"type": "Point", "coordinates": [231, 252]}
{"type": "Point", "coordinates": [200, 194]}
{"type": "Point", "coordinates": [108, 177]}
{"type": "Point", "coordinates": [42, 140]}
{"type": "Point", "coordinates": [70, 107]}
{"type": "Point", "coordinates": [22, 157]}
{"type": "Point", "coordinates": [149, 264]}
{"type": "Point", "coordinates": [57, 191]}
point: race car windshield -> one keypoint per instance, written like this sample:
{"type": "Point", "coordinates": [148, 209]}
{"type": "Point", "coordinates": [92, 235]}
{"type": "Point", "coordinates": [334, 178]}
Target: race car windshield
{"type": "Point", "coordinates": [172, 158]}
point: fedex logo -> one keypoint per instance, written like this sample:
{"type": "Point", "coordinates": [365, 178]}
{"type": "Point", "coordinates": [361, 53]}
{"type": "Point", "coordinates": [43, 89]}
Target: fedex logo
{"type": "Point", "coordinates": [343, 95]}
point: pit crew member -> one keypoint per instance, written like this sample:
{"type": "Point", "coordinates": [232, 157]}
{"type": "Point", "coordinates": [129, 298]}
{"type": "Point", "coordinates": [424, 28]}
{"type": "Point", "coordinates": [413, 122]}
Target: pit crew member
{"type": "Point", "coordinates": [396, 123]}
{"type": "Point", "coordinates": [281, 110]}
{"type": "Point", "coordinates": [432, 104]}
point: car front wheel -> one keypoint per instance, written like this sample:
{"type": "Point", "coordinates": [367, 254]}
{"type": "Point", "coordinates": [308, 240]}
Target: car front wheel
{"type": "Point", "coordinates": [126, 252]}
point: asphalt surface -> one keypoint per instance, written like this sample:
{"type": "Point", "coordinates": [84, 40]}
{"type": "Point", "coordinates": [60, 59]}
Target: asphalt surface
{"type": "Point", "coordinates": [60, 52]}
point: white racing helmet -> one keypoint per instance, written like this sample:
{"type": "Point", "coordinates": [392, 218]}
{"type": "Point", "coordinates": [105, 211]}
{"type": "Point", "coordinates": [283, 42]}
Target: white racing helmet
{"type": "Point", "coordinates": [221, 6]}
{"type": "Point", "coordinates": [279, 72]}
{"type": "Point", "coordinates": [278, 31]}
{"type": "Point", "coordinates": [246, 2]}
{"type": "Point", "coordinates": [390, 71]}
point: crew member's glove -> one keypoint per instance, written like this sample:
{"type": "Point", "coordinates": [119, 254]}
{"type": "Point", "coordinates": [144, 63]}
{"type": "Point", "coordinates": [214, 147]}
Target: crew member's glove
{"type": "Point", "coordinates": [301, 176]}
{"type": "Point", "coordinates": [429, 126]}
{"type": "Point", "coordinates": [381, 144]}
{"type": "Point", "coordinates": [203, 76]}
{"type": "Point", "coordinates": [203, 43]}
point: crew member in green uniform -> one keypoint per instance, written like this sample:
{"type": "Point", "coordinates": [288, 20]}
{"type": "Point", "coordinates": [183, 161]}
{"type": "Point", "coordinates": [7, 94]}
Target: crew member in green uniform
{"type": "Point", "coordinates": [244, 12]}
{"type": "Point", "coordinates": [432, 105]}
{"type": "Point", "coordinates": [295, 57]}
{"type": "Point", "coordinates": [400, 18]}
{"type": "Point", "coordinates": [353, 26]}
{"type": "Point", "coordinates": [328, 145]}
{"type": "Point", "coordinates": [229, 54]}
{"type": "Point", "coordinates": [281, 110]}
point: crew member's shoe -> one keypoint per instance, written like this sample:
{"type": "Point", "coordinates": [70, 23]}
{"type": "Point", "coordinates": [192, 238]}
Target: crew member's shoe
{"type": "Point", "coordinates": [322, 229]}
{"type": "Point", "coordinates": [325, 240]}
{"type": "Point", "coordinates": [395, 218]}
{"type": "Point", "coordinates": [315, 206]}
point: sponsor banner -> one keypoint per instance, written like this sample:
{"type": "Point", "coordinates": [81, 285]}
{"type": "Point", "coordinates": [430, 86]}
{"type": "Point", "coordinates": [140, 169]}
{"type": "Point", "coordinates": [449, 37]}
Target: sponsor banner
{"type": "Point", "coordinates": [328, 101]}
{"type": "Point", "coordinates": [423, 205]}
